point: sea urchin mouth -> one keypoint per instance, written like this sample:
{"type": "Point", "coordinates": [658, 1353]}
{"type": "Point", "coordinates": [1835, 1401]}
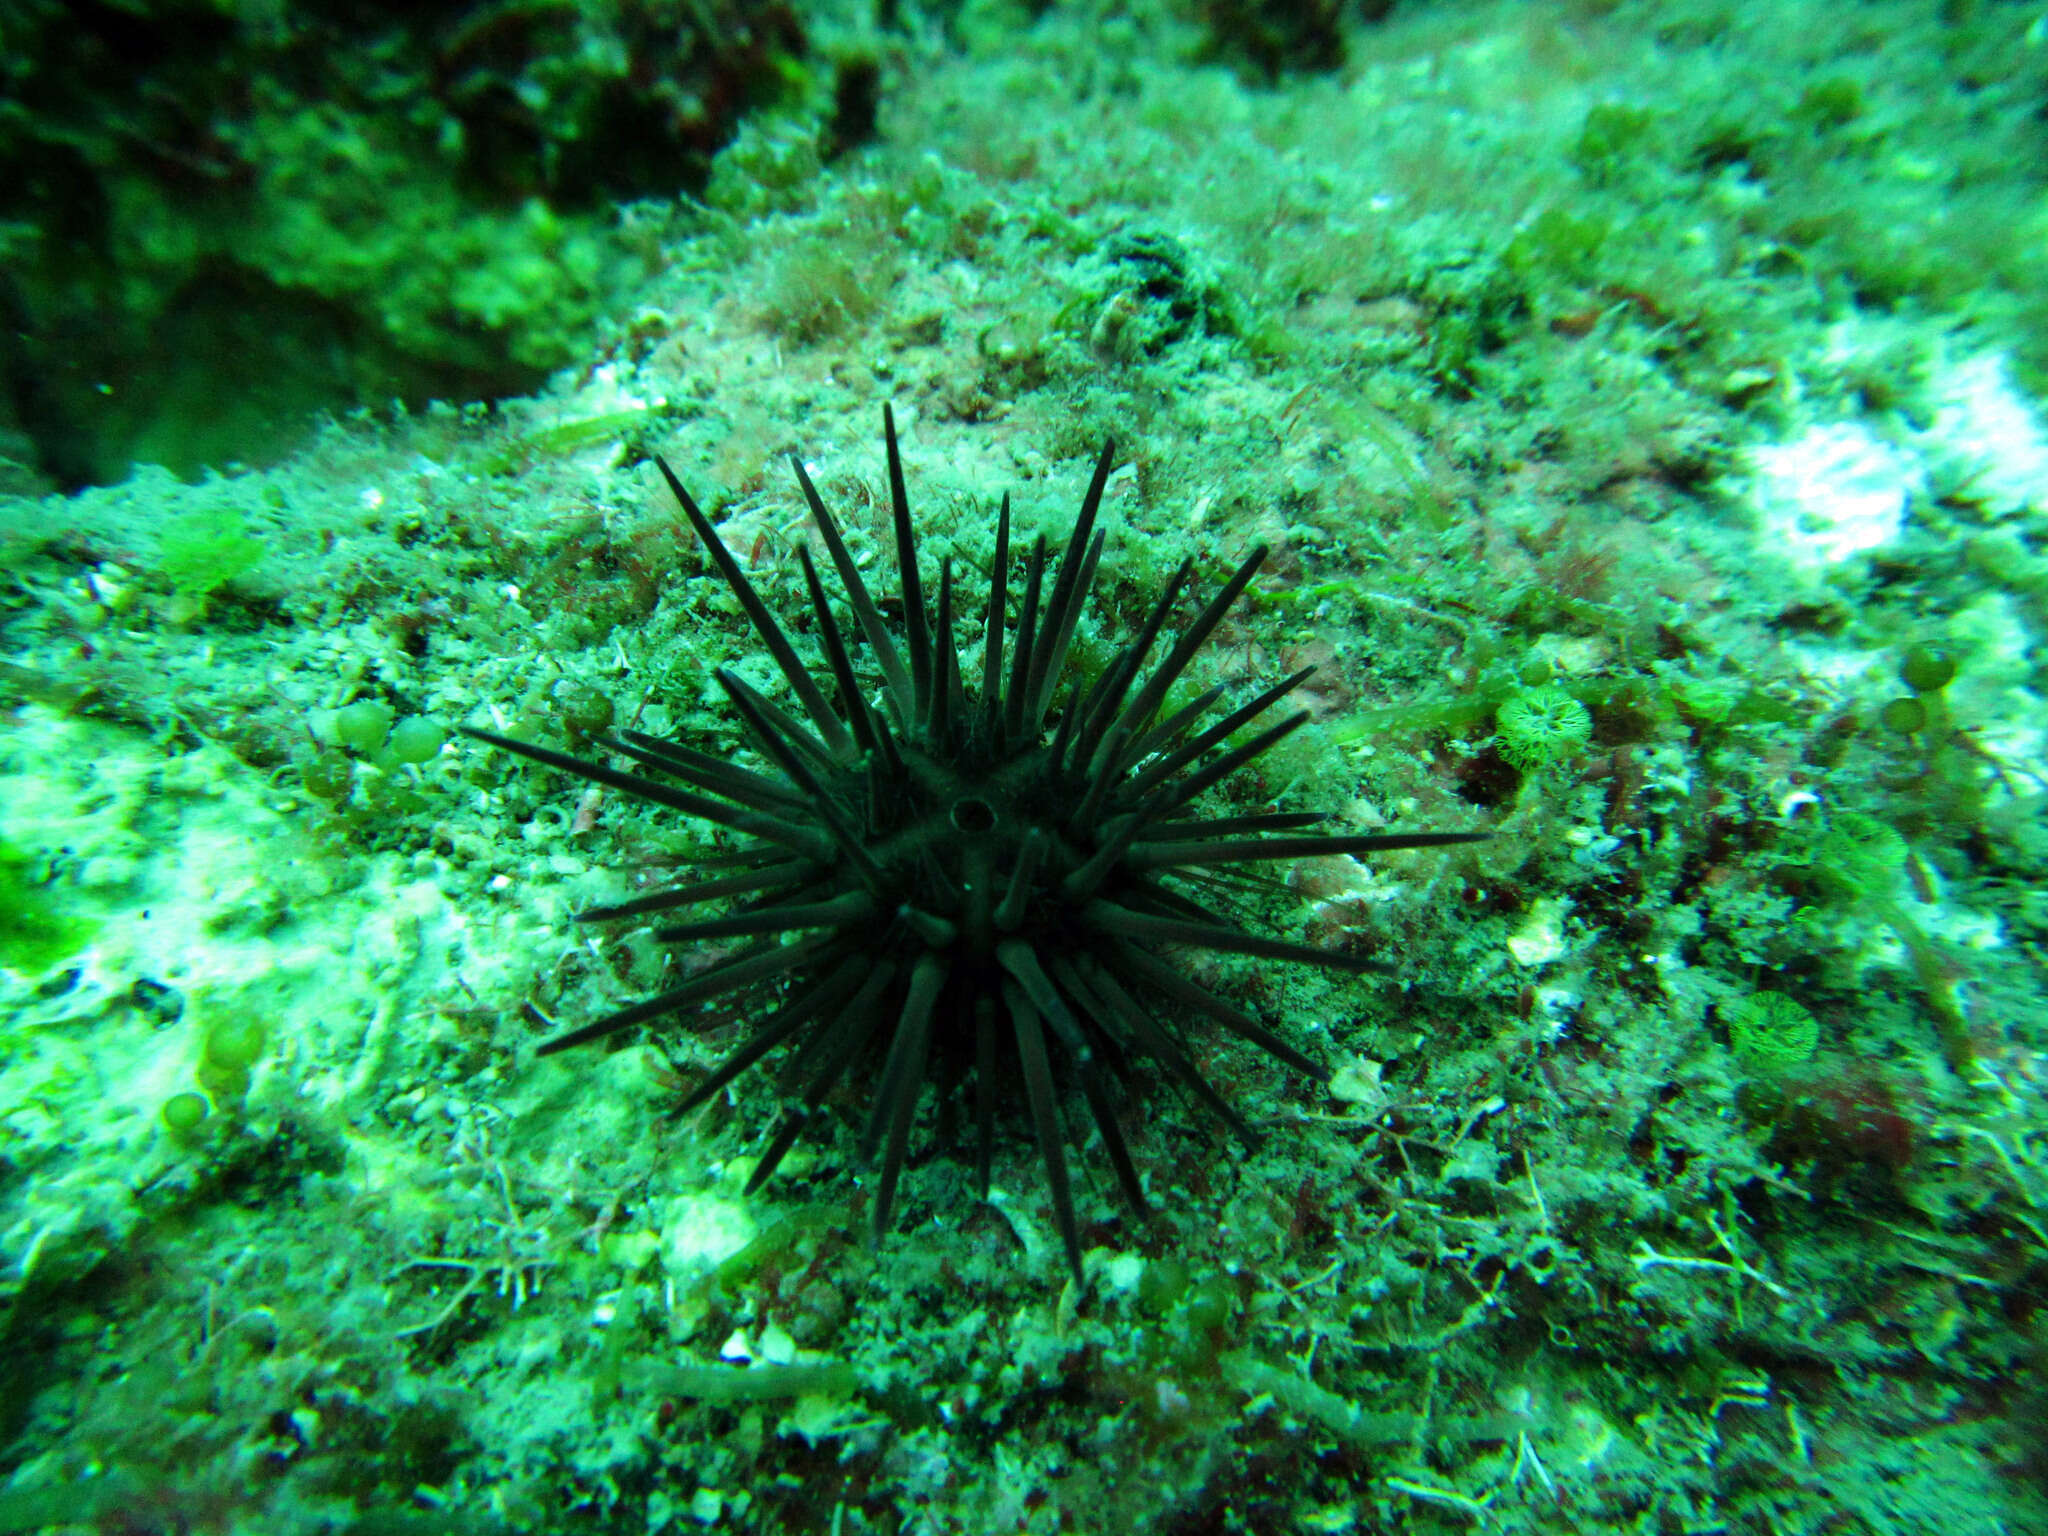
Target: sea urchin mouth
{"type": "Point", "coordinates": [960, 878]}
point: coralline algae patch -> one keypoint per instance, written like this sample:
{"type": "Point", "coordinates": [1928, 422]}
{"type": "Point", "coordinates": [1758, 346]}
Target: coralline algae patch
{"type": "Point", "coordinates": [1839, 490]}
{"type": "Point", "coordinates": [1832, 493]}
{"type": "Point", "coordinates": [1985, 439]}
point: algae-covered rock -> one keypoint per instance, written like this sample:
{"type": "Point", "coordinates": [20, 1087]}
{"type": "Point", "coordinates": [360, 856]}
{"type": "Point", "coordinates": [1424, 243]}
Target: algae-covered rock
{"type": "Point", "coordinates": [217, 218]}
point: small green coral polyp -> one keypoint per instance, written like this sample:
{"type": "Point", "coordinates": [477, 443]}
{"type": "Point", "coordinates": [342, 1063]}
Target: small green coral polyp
{"type": "Point", "coordinates": [1770, 1030]}
{"type": "Point", "coordinates": [1860, 856]}
{"type": "Point", "coordinates": [1540, 726]}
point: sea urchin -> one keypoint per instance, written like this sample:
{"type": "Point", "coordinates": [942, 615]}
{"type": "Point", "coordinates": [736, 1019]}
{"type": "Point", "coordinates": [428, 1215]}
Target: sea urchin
{"type": "Point", "coordinates": [958, 878]}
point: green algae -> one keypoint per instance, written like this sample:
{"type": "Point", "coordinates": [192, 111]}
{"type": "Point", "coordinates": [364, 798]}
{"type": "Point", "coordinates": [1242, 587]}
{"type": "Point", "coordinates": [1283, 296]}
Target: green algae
{"type": "Point", "coordinates": [36, 929]}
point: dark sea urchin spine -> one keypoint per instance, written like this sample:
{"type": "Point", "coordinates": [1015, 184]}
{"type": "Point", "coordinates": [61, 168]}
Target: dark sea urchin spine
{"type": "Point", "coordinates": [944, 879]}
